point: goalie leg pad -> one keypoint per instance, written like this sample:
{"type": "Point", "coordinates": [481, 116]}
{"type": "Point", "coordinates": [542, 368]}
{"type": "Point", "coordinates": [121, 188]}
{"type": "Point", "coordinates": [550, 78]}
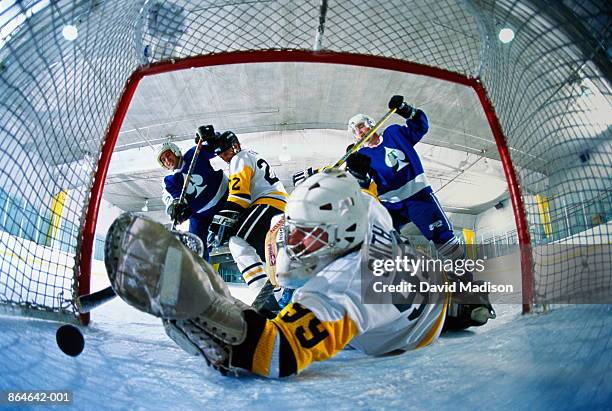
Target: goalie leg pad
{"type": "Point", "coordinates": [196, 341]}
{"type": "Point", "coordinates": [150, 269]}
{"type": "Point", "coordinates": [181, 339]}
{"type": "Point", "coordinates": [224, 320]}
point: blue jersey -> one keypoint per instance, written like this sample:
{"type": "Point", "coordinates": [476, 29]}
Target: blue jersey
{"type": "Point", "coordinates": [396, 167]}
{"type": "Point", "coordinates": [207, 188]}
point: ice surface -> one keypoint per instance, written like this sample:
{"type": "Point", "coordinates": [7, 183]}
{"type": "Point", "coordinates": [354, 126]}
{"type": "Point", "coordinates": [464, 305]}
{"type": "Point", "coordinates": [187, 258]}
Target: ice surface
{"type": "Point", "coordinates": [558, 360]}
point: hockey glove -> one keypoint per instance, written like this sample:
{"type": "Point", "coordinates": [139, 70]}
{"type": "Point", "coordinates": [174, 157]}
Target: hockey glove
{"type": "Point", "coordinates": [223, 226]}
{"type": "Point", "coordinates": [359, 166]}
{"type": "Point", "coordinates": [180, 211]}
{"type": "Point", "coordinates": [401, 107]}
{"type": "Point", "coordinates": [302, 175]}
{"type": "Point", "coordinates": [205, 133]}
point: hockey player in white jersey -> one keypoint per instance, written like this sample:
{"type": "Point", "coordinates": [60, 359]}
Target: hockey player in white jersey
{"type": "Point", "coordinates": [255, 197]}
{"type": "Point", "coordinates": [328, 229]}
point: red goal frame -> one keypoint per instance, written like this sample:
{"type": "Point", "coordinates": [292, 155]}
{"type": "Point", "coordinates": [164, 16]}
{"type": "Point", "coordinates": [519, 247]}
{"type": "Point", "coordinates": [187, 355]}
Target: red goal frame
{"type": "Point", "coordinates": [301, 56]}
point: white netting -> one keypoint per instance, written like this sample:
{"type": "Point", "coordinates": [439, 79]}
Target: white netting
{"type": "Point", "coordinates": [549, 87]}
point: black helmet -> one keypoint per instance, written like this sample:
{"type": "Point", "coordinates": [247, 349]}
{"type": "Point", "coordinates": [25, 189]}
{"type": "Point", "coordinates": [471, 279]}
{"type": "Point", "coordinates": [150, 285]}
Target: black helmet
{"type": "Point", "coordinates": [224, 141]}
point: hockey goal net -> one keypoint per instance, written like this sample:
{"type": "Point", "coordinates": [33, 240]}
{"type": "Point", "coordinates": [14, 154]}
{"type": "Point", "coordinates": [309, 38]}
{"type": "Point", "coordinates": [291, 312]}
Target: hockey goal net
{"type": "Point", "coordinates": [546, 95]}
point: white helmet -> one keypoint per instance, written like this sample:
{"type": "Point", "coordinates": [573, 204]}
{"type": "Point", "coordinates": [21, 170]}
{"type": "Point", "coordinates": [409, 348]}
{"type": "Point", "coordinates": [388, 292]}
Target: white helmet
{"type": "Point", "coordinates": [358, 119]}
{"type": "Point", "coordinates": [172, 147]}
{"type": "Point", "coordinates": [329, 212]}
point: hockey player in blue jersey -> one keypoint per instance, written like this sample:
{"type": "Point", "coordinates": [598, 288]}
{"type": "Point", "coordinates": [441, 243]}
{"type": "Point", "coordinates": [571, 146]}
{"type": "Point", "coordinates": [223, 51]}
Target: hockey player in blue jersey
{"type": "Point", "coordinates": [205, 195]}
{"type": "Point", "coordinates": [400, 180]}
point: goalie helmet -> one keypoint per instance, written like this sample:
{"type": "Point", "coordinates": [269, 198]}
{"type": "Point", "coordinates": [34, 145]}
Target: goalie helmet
{"type": "Point", "coordinates": [325, 217]}
{"type": "Point", "coordinates": [169, 146]}
{"type": "Point", "coordinates": [358, 119]}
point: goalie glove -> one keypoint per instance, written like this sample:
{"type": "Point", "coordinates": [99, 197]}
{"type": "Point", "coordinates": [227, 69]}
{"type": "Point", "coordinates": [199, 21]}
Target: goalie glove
{"type": "Point", "coordinates": [302, 175]}
{"type": "Point", "coordinates": [401, 107]}
{"type": "Point", "coordinates": [179, 211]}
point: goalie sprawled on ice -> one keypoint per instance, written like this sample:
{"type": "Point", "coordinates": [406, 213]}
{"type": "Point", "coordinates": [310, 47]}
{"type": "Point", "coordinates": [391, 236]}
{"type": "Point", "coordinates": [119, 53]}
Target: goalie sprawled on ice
{"type": "Point", "coordinates": [329, 223]}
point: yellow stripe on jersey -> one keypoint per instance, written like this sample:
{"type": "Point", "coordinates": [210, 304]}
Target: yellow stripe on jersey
{"type": "Point", "coordinates": [278, 193]}
{"type": "Point", "coordinates": [265, 347]}
{"type": "Point", "coordinates": [372, 190]}
{"type": "Point", "coordinates": [240, 187]}
{"type": "Point", "coordinates": [311, 339]}
{"type": "Point", "coordinates": [435, 330]}
{"type": "Point", "coordinates": [273, 202]}
{"type": "Point", "coordinates": [242, 203]}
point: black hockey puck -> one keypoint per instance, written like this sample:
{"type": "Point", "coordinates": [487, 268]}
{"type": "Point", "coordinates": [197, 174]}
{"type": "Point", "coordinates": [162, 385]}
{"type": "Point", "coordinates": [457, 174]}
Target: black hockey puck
{"type": "Point", "coordinates": [70, 340]}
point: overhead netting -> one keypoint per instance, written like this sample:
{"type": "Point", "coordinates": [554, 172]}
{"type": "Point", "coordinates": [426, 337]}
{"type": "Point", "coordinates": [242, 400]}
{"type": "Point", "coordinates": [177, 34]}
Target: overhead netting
{"type": "Point", "coordinates": [549, 88]}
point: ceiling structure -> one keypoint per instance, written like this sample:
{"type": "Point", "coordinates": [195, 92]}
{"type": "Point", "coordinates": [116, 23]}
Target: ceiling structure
{"type": "Point", "coordinates": [298, 111]}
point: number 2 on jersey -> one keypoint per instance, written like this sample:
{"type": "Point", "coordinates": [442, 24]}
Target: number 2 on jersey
{"type": "Point", "coordinates": [270, 177]}
{"type": "Point", "coordinates": [235, 183]}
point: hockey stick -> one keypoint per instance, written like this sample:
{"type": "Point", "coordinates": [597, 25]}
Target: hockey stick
{"type": "Point", "coordinates": [86, 303]}
{"type": "Point", "coordinates": [364, 139]}
{"type": "Point", "coordinates": [188, 177]}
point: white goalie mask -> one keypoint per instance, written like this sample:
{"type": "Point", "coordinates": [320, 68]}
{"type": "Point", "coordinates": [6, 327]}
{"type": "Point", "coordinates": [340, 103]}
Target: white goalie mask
{"type": "Point", "coordinates": [357, 121]}
{"type": "Point", "coordinates": [325, 217]}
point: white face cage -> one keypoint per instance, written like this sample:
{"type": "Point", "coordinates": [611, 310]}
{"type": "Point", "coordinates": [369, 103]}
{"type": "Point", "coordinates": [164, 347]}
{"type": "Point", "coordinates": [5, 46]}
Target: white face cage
{"type": "Point", "coordinates": [314, 234]}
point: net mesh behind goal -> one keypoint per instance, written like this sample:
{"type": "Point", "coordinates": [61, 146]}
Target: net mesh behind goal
{"type": "Point", "coordinates": [549, 88]}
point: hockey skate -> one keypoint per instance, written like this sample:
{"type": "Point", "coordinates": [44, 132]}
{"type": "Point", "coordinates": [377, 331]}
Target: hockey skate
{"type": "Point", "coordinates": [152, 270]}
{"type": "Point", "coordinates": [468, 310]}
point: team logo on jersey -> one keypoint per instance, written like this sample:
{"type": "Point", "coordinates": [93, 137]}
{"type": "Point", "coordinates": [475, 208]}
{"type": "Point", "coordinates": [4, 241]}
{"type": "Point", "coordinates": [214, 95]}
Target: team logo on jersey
{"type": "Point", "coordinates": [435, 224]}
{"type": "Point", "coordinates": [195, 185]}
{"type": "Point", "coordinates": [395, 158]}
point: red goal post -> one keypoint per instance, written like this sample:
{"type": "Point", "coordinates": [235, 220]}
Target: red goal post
{"type": "Point", "coordinates": [311, 57]}
{"type": "Point", "coordinates": [546, 96]}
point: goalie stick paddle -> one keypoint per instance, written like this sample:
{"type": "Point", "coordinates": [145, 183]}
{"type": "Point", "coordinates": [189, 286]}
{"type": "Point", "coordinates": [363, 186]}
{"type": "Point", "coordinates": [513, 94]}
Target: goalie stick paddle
{"type": "Point", "coordinates": [364, 139]}
{"type": "Point", "coordinates": [86, 303]}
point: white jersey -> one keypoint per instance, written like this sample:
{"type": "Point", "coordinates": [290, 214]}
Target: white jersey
{"type": "Point", "coordinates": [252, 181]}
{"type": "Point", "coordinates": [335, 293]}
